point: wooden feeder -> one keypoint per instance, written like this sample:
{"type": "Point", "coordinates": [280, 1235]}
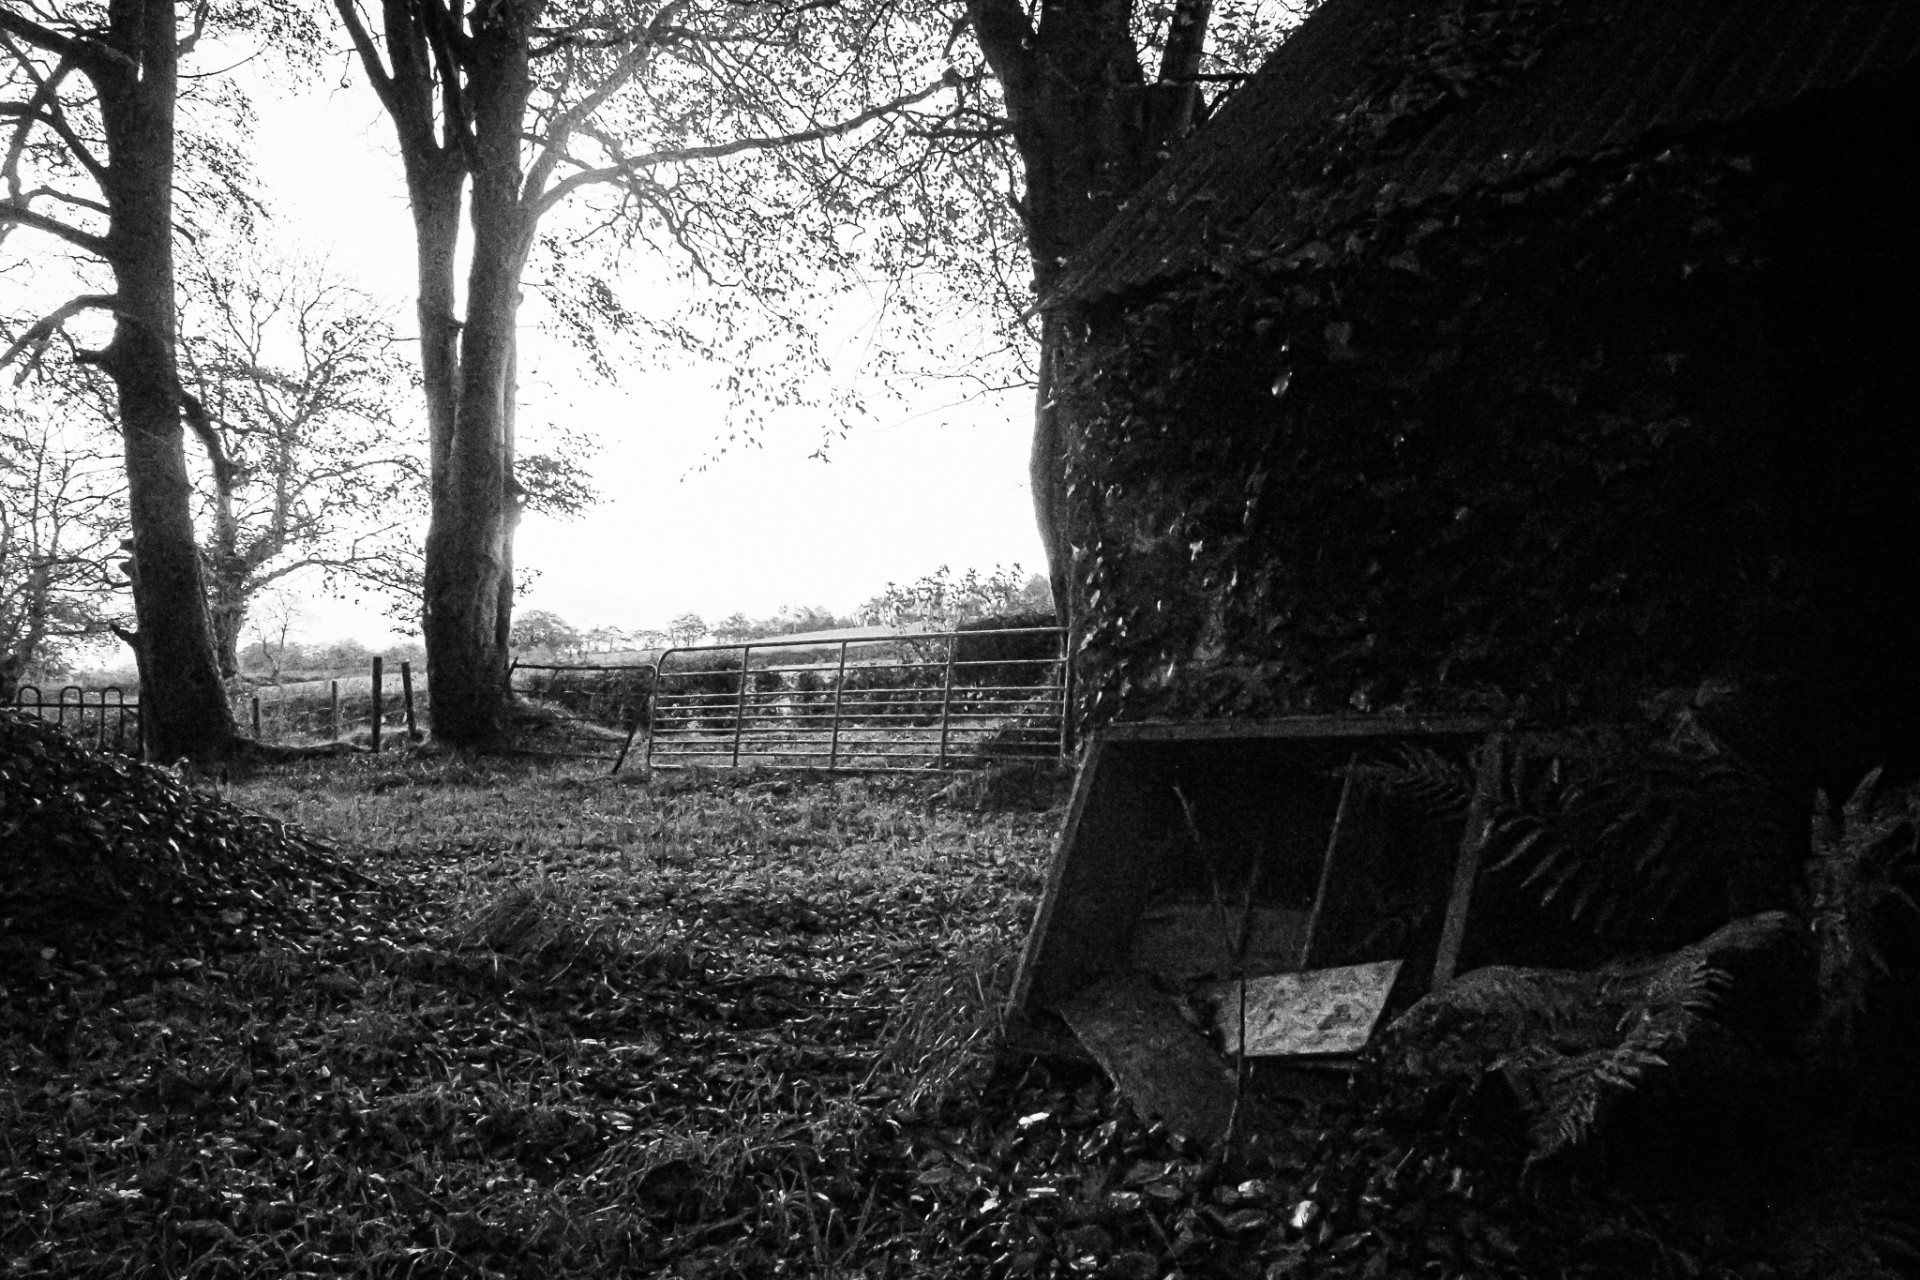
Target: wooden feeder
{"type": "Point", "coordinates": [1200, 856]}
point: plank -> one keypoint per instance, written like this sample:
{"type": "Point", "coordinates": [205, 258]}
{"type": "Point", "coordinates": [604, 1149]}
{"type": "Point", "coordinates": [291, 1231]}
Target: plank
{"type": "Point", "coordinates": [1488, 784]}
{"type": "Point", "coordinates": [1157, 1059]}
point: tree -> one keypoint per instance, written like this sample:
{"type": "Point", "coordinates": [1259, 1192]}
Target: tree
{"type": "Point", "coordinates": [60, 532]}
{"type": "Point", "coordinates": [687, 628]}
{"type": "Point", "coordinates": [539, 629]}
{"type": "Point", "coordinates": [92, 96]}
{"type": "Point", "coordinates": [1035, 595]}
{"type": "Point", "coordinates": [344, 655]}
{"type": "Point", "coordinates": [607, 639]}
{"type": "Point", "coordinates": [796, 619]}
{"type": "Point", "coordinates": [302, 380]}
{"type": "Point", "coordinates": [941, 600]}
{"type": "Point", "coordinates": [736, 626]}
{"type": "Point", "coordinates": [277, 614]}
{"type": "Point", "coordinates": [1090, 128]}
{"type": "Point", "coordinates": [533, 103]}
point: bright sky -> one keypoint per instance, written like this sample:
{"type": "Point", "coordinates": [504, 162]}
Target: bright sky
{"type": "Point", "coordinates": [940, 480]}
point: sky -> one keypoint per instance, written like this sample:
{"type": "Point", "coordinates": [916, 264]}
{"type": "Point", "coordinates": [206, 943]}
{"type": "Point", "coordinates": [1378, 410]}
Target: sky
{"type": "Point", "coordinates": [939, 479]}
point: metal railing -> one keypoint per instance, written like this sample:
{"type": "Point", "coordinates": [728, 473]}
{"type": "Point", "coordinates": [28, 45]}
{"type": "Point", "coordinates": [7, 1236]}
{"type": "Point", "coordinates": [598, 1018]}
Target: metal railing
{"type": "Point", "coordinates": [913, 701]}
{"type": "Point", "coordinates": [110, 721]}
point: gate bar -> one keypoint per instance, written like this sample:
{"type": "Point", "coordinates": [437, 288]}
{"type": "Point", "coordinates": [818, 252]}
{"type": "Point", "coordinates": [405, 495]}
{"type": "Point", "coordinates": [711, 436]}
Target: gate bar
{"type": "Point", "coordinates": [839, 687]}
{"type": "Point", "coordinates": [946, 698]}
{"type": "Point", "coordinates": [913, 716]}
{"type": "Point", "coordinates": [740, 701]}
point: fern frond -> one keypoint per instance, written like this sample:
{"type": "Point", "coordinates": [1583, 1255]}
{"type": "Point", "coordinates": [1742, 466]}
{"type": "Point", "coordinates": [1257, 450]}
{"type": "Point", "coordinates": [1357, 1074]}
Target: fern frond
{"type": "Point", "coordinates": [1423, 781]}
{"type": "Point", "coordinates": [1629, 833]}
{"type": "Point", "coordinates": [1623, 1027]}
{"type": "Point", "coordinates": [1857, 855]}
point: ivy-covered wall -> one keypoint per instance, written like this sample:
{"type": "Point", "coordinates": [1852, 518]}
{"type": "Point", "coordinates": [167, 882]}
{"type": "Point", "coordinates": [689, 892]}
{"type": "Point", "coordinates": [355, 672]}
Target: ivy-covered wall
{"type": "Point", "coordinates": [1528, 450]}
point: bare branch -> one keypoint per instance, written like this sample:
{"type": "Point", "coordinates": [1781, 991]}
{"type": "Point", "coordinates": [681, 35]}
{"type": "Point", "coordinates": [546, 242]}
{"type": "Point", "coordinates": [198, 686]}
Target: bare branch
{"type": "Point", "coordinates": [562, 128]}
{"type": "Point", "coordinates": [89, 54]}
{"type": "Point", "coordinates": [66, 197]}
{"type": "Point", "coordinates": [45, 107]}
{"type": "Point", "coordinates": [369, 54]}
{"type": "Point", "coordinates": [12, 213]}
{"type": "Point", "coordinates": [196, 415]}
{"type": "Point", "coordinates": [449, 46]}
{"type": "Point", "coordinates": [39, 334]}
{"type": "Point", "coordinates": [192, 38]}
{"type": "Point", "coordinates": [679, 155]}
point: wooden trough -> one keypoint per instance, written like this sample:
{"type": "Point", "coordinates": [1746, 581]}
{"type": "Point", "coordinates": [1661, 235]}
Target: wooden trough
{"type": "Point", "coordinates": [1278, 859]}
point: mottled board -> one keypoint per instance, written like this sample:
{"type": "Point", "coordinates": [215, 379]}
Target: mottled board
{"type": "Point", "coordinates": [1317, 1012]}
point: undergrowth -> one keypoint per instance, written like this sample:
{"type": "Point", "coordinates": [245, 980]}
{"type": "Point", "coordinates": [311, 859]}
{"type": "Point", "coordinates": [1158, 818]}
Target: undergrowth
{"type": "Point", "coordinates": [557, 1024]}
{"type": "Point", "coordinates": [539, 1022]}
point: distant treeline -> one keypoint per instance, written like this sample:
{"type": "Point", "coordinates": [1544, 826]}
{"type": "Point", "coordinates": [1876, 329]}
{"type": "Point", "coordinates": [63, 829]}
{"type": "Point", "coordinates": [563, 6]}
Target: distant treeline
{"type": "Point", "coordinates": [939, 600]}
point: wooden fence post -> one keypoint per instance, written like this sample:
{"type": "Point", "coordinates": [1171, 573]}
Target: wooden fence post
{"type": "Point", "coordinates": [256, 717]}
{"type": "Point", "coordinates": [333, 708]}
{"type": "Point", "coordinates": [378, 710]}
{"type": "Point", "coordinates": [406, 690]}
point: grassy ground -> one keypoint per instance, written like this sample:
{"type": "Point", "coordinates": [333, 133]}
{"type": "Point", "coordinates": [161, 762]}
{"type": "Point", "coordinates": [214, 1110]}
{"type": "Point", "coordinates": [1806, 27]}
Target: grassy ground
{"type": "Point", "coordinates": [550, 1023]}
{"type": "Point", "coordinates": [571, 1024]}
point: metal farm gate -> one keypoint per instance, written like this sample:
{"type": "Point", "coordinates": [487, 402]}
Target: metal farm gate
{"type": "Point", "coordinates": [913, 701]}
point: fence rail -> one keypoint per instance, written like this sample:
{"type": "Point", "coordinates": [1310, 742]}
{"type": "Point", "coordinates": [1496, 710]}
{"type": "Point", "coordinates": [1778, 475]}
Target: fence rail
{"type": "Point", "coordinates": [319, 710]}
{"type": "Point", "coordinates": [110, 721]}
{"type": "Point", "coordinates": [916, 701]}
{"type": "Point", "coordinates": [312, 710]}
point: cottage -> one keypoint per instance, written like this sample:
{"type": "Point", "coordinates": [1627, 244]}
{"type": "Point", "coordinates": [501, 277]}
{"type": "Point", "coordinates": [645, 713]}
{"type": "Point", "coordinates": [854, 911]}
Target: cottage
{"type": "Point", "coordinates": [1534, 356]}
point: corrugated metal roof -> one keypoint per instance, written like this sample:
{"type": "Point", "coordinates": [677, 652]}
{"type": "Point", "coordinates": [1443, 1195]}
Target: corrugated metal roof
{"type": "Point", "coordinates": [1355, 113]}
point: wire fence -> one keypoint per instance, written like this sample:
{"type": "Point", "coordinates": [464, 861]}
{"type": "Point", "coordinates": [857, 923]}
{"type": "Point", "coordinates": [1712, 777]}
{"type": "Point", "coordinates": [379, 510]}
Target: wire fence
{"type": "Point", "coordinates": [369, 710]}
{"type": "Point", "coordinates": [581, 710]}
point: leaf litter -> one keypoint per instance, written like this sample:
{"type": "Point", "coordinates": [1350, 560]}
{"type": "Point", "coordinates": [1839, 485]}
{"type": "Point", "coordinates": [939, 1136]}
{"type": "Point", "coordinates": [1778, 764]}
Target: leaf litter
{"type": "Point", "coordinates": [437, 1018]}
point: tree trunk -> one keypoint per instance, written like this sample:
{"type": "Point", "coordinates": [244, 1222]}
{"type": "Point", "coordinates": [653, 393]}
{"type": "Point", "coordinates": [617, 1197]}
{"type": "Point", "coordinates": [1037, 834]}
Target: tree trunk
{"type": "Point", "coordinates": [469, 535]}
{"type": "Point", "coordinates": [229, 617]}
{"type": "Point", "coordinates": [435, 189]}
{"type": "Point", "coordinates": [1047, 478]}
{"type": "Point", "coordinates": [1090, 131]}
{"type": "Point", "coordinates": [182, 699]}
{"type": "Point", "coordinates": [226, 568]}
{"type": "Point", "coordinates": [503, 612]}
{"type": "Point", "coordinates": [449, 130]}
